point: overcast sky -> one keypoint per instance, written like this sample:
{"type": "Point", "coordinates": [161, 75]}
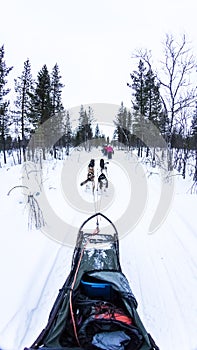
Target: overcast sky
{"type": "Point", "coordinates": [92, 41]}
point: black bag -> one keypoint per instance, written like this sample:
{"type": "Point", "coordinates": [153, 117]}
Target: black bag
{"type": "Point", "coordinates": [99, 317]}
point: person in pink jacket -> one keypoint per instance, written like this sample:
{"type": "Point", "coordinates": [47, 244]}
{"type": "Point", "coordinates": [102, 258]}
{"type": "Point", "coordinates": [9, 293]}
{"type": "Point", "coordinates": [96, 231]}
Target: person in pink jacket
{"type": "Point", "coordinates": [110, 151]}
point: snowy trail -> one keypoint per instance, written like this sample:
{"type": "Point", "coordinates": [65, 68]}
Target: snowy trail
{"type": "Point", "coordinates": [164, 282]}
{"type": "Point", "coordinates": [161, 268]}
{"type": "Point", "coordinates": [55, 279]}
{"type": "Point", "coordinates": [45, 296]}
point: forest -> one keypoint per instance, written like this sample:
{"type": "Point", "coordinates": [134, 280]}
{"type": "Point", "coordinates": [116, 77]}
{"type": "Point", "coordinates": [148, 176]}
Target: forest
{"type": "Point", "coordinates": [162, 98]}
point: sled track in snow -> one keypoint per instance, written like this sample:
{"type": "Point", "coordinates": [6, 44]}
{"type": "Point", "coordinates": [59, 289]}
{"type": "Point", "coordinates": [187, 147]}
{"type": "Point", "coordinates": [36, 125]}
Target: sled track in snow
{"type": "Point", "coordinates": [61, 260]}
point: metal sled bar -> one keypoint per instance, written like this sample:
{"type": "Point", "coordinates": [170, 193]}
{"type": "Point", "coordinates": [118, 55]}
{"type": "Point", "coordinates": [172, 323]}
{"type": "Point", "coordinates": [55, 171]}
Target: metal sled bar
{"type": "Point", "coordinates": [99, 214]}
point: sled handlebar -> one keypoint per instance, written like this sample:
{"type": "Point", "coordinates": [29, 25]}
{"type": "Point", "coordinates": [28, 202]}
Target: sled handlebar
{"type": "Point", "coordinates": [96, 215]}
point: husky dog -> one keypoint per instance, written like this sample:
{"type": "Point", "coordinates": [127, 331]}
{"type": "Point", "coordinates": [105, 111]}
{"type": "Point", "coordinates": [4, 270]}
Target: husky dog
{"type": "Point", "coordinates": [90, 175]}
{"type": "Point", "coordinates": [102, 182]}
{"type": "Point", "coordinates": [103, 165]}
{"type": "Point", "coordinates": [102, 179]}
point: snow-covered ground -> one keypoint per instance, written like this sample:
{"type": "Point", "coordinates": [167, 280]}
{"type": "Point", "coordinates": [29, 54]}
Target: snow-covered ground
{"type": "Point", "coordinates": [161, 267]}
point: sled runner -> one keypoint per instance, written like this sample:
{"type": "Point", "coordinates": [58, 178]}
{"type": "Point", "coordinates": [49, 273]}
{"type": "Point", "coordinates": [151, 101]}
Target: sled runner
{"type": "Point", "coordinates": [95, 308]}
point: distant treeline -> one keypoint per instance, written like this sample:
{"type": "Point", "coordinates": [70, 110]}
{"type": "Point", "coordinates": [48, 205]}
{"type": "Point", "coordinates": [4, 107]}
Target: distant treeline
{"type": "Point", "coordinates": [163, 96]}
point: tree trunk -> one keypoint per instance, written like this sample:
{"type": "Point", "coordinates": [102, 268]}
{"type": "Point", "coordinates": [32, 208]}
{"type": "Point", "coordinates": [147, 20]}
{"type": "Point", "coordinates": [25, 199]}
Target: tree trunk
{"type": "Point", "coordinates": [4, 149]}
{"type": "Point", "coordinates": [195, 172]}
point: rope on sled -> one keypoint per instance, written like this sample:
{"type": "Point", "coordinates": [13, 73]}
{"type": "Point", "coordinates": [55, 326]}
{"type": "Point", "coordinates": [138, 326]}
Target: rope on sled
{"type": "Point", "coordinates": [97, 198]}
{"type": "Point", "coordinates": [70, 297]}
{"type": "Point", "coordinates": [97, 201]}
{"type": "Point", "coordinates": [96, 231]}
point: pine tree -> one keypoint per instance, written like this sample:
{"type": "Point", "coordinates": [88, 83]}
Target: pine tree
{"type": "Point", "coordinates": [155, 112]}
{"type": "Point", "coordinates": [84, 132]}
{"type": "Point", "coordinates": [24, 89]}
{"type": "Point", "coordinates": [67, 133]}
{"type": "Point", "coordinates": [123, 125]}
{"type": "Point", "coordinates": [4, 117]}
{"type": "Point", "coordinates": [97, 132]}
{"type": "Point", "coordinates": [146, 91]}
{"type": "Point", "coordinates": [147, 105]}
{"type": "Point", "coordinates": [139, 89]}
{"type": "Point", "coordinates": [154, 103]}
{"type": "Point", "coordinates": [140, 102]}
{"type": "Point", "coordinates": [56, 90]}
{"type": "Point", "coordinates": [129, 128]}
{"type": "Point", "coordinates": [58, 115]}
{"type": "Point", "coordinates": [41, 107]}
{"type": "Point", "coordinates": [98, 138]}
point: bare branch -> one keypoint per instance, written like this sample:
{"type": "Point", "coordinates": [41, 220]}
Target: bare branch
{"type": "Point", "coordinates": [177, 67]}
{"type": "Point", "coordinates": [19, 186]}
{"type": "Point", "coordinates": [144, 55]}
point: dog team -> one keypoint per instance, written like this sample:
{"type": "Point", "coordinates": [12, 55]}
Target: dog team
{"type": "Point", "coordinates": [102, 179]}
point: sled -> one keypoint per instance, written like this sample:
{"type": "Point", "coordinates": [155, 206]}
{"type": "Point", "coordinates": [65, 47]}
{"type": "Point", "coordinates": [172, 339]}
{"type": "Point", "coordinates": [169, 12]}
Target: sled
{"type": "Point", "coordinates": [96, 307]}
